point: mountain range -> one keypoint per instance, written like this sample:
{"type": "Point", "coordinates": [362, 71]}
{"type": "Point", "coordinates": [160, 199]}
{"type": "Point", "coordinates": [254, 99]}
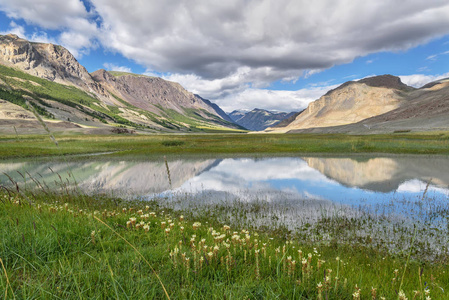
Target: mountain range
{"type": "Point", "coordinates": [258, 119]}
{"type": "Point", "coordinates": [377, 104]}
{"type": "Point", "coordinates": [47, 79]}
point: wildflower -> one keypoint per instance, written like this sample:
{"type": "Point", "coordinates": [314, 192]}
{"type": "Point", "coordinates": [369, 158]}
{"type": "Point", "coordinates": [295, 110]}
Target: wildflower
{"type": "Point", "coordinates": [181, 228]}
{"type": "Point", "coordinates": [146, 228]}
{"type": "Point", "coordinates": [167, 231]}
{"type": "Point", "coordinates": [181, 218]}
{"type": "Point", "coordinates": [210, 254]}
{"type": "Point", "coordinates": [356, 294]}
{"type": "Point", "coordinates": [319, 287]}
{"type": "Point", "coordinates": [92, 236]}
{"type": "Point", "coordinates": [401, 295]}
{"type": "Point", "coordinates": [147, 208]}
{"type": "Point", "coordinates": [196, 225]}
{"type": "Point", "coordinates": [226, 228]}
{"type": "Point", "coordinates": [163, 224]}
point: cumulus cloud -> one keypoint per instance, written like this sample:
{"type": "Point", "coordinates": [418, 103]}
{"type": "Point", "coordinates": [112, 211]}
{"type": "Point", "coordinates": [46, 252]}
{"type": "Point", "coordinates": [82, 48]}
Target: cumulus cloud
{"type": "Point", "coordinates": [215, 40]}
{"type": "Point", "coordinates": [280, 100]}
{"type": "Point", "coordinates": [235, 92]}
{"type": "Point", "coordinates": [227, 47]}
{"type": "Point", "coordinates": [114, 67]}
{"type": "Point", "coordinates": [418, 80]}
{"type": "Point", "coordinates": [14, 28]}
{"type": "Point", "coordinates": [70, 17]}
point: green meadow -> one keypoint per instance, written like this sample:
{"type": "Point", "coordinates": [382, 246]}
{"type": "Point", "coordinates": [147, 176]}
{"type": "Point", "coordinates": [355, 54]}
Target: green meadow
{"type": "Point", "coordinates": [62, 244]}
{"type": "Point", "coordinates": [246, 144]}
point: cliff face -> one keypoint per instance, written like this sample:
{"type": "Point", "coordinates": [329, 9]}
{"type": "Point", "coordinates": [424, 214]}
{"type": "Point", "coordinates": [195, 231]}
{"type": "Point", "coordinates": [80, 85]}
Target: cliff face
{"type": "Point", "coordinates": [48, 61]}
{"type": "Point", "coordinates": [155, 94]}
{"type": "Point", "coordinates": [352, 102]}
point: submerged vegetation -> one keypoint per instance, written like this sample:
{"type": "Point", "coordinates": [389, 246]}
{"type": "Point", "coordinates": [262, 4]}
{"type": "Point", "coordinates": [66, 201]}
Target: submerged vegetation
{"type": "Point", "coordinates": [60, 243]}
{"type": "Point", "coordinates": [410, 143]}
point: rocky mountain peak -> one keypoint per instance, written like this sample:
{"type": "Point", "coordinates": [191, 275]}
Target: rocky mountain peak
{"type": "Point", "coordinates": [258, 119]}
{"type": "Point", "coordinates": [48, 61]}
{"type": "Point", "coordinates": [386, 81]}
{"type": "Point", "coordinates": [352, 102]}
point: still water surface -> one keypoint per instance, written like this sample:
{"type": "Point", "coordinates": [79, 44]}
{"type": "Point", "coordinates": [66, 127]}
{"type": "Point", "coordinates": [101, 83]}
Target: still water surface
{"type": "Point", "coordinates": [345, 180]}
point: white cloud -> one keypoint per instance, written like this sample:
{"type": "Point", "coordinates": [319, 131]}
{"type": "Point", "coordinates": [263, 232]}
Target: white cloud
{"type": "Point", "coordinates": [215, 40]}
{"type": "Point", "coordinates": [222, 49]}
{"type": "Point", "coordinates": [233, 92]}
{"type": "Point", "coordinates": [70, 17]}
{"type": "Point", "coordinates": [419, 80]}
{"type": "Point", "coordinates": [14, 29]}
{"type": "Point", "coordinates": [18, 30]}
{"type": "Point", "coordinates": [114, 67]}
{"type": "Point", "coordinates": [281, 100]}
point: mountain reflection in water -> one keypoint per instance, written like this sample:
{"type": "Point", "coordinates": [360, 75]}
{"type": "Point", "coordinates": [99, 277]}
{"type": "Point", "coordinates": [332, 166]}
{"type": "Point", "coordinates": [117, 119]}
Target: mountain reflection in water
{"type": "Point", "coordinates": [323, 179]}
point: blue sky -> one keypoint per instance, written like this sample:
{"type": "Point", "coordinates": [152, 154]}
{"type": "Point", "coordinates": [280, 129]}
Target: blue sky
{"type": "Point", "coordinates": [272, 54]}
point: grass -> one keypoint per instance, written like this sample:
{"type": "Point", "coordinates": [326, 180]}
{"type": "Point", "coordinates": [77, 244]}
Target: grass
{"type": "Point", "coordinates": [225, 144]}
{"type": "Point", "coordinates": [62, 244]}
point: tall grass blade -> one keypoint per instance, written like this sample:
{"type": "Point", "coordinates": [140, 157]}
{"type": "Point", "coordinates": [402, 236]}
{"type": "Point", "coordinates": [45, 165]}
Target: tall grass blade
{"type": "Point", "coordinates": [138, 252]}
{"type": "Point", "coordinates": [7, 282]}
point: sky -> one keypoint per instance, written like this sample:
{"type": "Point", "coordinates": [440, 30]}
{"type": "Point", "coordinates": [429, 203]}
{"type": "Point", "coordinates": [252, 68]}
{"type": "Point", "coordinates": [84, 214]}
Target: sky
{"type": "Point", "coordinates": [245, 54]}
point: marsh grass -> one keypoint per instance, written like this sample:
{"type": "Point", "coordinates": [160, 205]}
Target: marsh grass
{"type": "Point", "coordinates": [69, 245]}
{"type": "Point", "coordinates": [224, 144]}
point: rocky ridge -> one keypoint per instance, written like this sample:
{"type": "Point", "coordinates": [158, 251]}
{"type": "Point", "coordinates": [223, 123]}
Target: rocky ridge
{"type": "Point", "coordinates": [423, 109]}
{"type": "Point", "coordinates": [258, 119]}
{"type": "Point", "coordinates": [134, 100]}
{"type": "Point", "coordinates": [351, 102]}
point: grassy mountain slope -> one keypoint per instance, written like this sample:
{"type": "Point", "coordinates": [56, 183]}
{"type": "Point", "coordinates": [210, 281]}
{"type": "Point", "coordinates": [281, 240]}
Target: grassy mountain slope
{"type": "Point", "coordinates": [47, 79]}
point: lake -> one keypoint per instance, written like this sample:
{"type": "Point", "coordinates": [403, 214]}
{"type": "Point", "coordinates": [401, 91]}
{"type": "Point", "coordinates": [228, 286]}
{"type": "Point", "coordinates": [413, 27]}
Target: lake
{"type": "Point", "coordinates": [381, 199]}
{"type": "Point", "coordinates": [348, 180]}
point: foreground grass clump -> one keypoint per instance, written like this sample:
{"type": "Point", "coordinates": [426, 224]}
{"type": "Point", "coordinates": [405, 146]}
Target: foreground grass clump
{"type": "Point", "coordinates": [66, 245]}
